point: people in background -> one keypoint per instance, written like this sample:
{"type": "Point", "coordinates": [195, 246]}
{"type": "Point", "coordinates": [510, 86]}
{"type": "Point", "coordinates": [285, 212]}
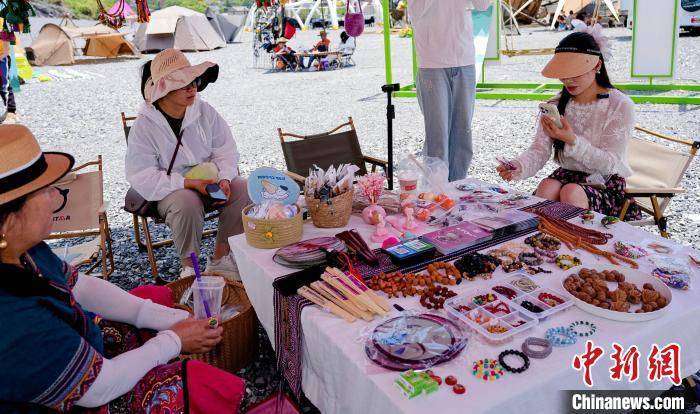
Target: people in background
{"type": "Point", "coordinates": [76, 343]}
{"type": "Point", "coordinates": [172, 109]}
{"type": "Point", "coordinates": [323, 45]}
{"type": "Point", "coordinates": [569, 18]}
{"type": "Point", "coordinates": [284, 55]}
{"type": "Point", "coordinates": [6, 93]}
{"type": "Point", "coordinates": [597, 122]}
{"type": "Point", "coordinates": [446, 83]}
{"type": "Point", "coordinates": [347, 43]}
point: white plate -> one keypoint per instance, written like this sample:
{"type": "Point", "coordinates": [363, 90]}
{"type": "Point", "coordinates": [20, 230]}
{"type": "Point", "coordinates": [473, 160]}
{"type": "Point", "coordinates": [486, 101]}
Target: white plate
{"type": "Point", "coordinates": [633, 276]}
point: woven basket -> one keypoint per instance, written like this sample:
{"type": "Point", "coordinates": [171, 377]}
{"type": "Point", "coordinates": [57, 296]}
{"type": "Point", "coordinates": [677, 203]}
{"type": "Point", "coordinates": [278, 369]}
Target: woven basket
{"type": "Point", "coordinates": [238, 348]}
{"type": "Point", "coordinates": [271, 234]}
{"type": "Point", "coordinates": [335, 214]}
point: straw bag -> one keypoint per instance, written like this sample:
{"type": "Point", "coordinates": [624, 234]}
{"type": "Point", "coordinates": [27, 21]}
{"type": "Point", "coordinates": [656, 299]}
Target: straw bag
{"type": "Point", "coordinates": [332, 214]}
{"type": "Point", "coordinates": [238, 348]}
{"type": "Point", "coordinates": [272, 233]}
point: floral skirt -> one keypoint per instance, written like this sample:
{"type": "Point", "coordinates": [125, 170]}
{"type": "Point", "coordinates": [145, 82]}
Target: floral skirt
{"type": "Point", "coordinates": [608, 200]}
{"type": "Point", "coordinates": [178, 387]}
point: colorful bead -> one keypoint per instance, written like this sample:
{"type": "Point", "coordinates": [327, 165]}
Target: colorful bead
{"type": "Point", "coordinates": [561, 336]}
{"type": "Point", "coordinates": [587, 216]}
{"type": "Point", "coordinates": [487, 369]}
{"type": "Point", "coordinates": [566, 262]}
{"type": "Point", "coordinates": [450, 380]}
{"type": "Point", "coordinates": [630, 250]}
{"type": "Point", "coordinates": [459, 389]}
{"type": "Point", "coordinates": [539, 342]}
{"type": "Point", "coordinates": [609, 221]}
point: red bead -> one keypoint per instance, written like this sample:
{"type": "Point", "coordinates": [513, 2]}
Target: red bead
{"type": "Point", "coordinates": [459, 389]}
{"type": "Point", "coordinates": [436, 379]}
{"type": "Point", "coordinates": [450, 380]}
{"type": "Point", "coordinates": [429, 372]}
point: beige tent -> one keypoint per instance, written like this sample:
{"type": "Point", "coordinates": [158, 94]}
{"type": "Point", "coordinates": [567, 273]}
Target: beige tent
{"type": "Point", "coordinates": [58, 45]}
{"type": "Point", "coordinates": [177, 27]}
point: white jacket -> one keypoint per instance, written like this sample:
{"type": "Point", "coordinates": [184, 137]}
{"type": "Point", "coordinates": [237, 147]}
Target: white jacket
{"type": "Point", "coordinates": [206, 137]}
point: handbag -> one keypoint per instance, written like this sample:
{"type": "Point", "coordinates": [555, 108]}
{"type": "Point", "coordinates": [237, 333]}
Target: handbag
{"type": "Point", "coordinates": [354, 21]}
{"type": "Point", "coordinates": [135, 203]}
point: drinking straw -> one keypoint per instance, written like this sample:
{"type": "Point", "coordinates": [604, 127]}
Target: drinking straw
{"type": "Point", "coordinates": [198, 276]}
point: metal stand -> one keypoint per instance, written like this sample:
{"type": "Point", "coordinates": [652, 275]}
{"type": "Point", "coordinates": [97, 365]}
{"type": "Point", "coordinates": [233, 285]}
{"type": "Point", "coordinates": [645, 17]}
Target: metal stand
{"type": "Point", "coordinates": [390, 116]}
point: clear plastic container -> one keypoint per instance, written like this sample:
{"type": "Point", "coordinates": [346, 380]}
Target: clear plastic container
{"type": "Point", "coordinates": [479, 319]}
{"type": "Point", "coordinates": [550, 301]}
{"type": "Point", "coordinates": [207, 295]}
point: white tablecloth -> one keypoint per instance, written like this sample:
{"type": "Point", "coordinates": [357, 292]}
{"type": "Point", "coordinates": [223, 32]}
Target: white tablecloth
{"type": "Point", "coordinates": [338, 377]}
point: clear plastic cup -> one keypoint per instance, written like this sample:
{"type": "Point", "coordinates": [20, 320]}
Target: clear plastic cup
{"type": "Point", "coordinates": [210, 292]}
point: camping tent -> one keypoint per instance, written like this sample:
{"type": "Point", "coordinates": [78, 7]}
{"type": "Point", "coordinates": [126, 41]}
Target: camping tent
{"type": "Point", "coordinates": [226, 25]}
{"type": "Point", "coordinates": [58, 45]}
{"type": "Point", "coordinates": [177, 27]}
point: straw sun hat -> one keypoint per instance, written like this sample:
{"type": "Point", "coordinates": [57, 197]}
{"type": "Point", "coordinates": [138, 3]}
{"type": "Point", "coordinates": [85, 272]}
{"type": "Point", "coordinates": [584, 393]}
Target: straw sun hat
{"type": "Point", "coordinates": [24, 168]}
{"type": "Point", "coordinates": [575, 55]}
{"type": "Point", "coordinates": [170, 71]}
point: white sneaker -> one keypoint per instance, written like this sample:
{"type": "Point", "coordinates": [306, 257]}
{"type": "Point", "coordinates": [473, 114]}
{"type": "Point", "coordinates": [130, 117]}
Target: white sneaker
{"type": "Point", "coordinates": [186, 272]}
{"type": "Point", "coordinates": [224, 266]}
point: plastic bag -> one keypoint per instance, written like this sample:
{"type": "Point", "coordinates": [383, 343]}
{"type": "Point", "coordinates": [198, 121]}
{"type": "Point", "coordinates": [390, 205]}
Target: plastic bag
{"type": "Point", "coordinates": [674, 272]}
{"type": "Point", "coordinates": [433, 173]}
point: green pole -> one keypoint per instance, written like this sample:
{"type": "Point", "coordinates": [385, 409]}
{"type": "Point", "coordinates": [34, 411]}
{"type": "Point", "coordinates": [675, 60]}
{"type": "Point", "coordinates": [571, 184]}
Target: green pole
{"type": "Point", "coordinates": [387, 41]}
{"type": "Point", "coordinates": [415, 59]}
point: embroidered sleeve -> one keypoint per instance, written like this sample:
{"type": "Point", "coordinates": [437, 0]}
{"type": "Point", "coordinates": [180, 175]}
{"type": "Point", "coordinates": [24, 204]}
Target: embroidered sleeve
{"type": "Point", "coordinates": [608, 157]}
{"type": "Point", "coordinates": [71, 275]}
{"type": "Point", "coordinates": [45, 361]}
{"type": "Point", "coordinates": [535, 157]}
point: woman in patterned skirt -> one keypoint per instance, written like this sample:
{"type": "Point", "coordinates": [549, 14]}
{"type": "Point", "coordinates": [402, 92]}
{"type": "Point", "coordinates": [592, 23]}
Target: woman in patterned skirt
{"type": "Point", "coordinates": [72, 342]}
{"type": "Point", "coordinates": [597, 123]}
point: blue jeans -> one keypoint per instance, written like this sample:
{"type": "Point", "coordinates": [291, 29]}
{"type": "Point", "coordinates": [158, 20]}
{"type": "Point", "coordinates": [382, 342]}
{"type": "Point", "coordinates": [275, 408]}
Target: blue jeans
{"type": "Point", "coordinates": [446, 98]}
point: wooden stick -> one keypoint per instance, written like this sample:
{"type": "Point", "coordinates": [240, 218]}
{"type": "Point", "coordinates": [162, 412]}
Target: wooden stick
{"type": "Point", "coordinates": [332, 294]}
{"type": "Point", "coordinates": [325, 304]}
{"type": "Point", "coordinates": [348, 285]}
{"type": "Point", "coordinates": [352, 295]}
{"type": "Point", "coordinates": [380, 301]}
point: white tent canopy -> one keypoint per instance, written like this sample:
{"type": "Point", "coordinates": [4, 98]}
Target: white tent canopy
{"type": "Point", "coordinates": [177, 27]}
{"type": "Point", "coordinates": [577, 5]}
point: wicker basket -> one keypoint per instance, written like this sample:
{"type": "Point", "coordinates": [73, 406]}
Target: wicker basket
{"type": "Point", "coordinates": [271, 234]}
{"type": "Point", "coordinates": [238, 348]}
{"type": "Point", "coordinates": [335, 214]}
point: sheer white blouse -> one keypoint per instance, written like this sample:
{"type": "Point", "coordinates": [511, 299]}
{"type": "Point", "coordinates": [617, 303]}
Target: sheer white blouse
{"type": "Point", "coordinates": [603, 129]}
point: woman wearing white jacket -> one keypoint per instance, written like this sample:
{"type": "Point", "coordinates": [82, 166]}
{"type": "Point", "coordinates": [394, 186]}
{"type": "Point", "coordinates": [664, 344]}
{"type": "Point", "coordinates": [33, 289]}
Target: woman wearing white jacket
{"type": "Point", "coordinates": [173, 108]}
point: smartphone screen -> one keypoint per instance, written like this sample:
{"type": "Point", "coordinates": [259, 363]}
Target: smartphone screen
{"type": "Point", "coordinates": [215, 192]}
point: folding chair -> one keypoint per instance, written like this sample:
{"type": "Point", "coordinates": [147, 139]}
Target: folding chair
{"type": "Point", "coordinates": [337, 146]}
{"type": "Point", "coordinates": [147, 243]}
{"type": "Point", "coordinates": [83, 215]}
{"type": "Point", "coordinates": [657, 171]}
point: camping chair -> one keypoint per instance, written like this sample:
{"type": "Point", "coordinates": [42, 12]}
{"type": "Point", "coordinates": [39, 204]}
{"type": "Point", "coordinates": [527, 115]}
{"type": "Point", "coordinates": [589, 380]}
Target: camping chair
{"type": "Point", "coordinates": [147, 242]}
{"type": "Point", "coordinates": [657, 171]}
{"type": "Point", "coordinates": [83, 215]}
{"type": "Point", "coordinates": [337, 146]}
{"type": "Point", "coordinates": [345, 58]}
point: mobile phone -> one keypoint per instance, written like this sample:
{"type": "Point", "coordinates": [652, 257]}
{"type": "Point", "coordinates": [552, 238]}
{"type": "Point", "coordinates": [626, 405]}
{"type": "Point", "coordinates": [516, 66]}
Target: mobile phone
{"type": "Point", "coordinates": [550, 110]}
{"type": "Point", "coordinates": [215, 192]}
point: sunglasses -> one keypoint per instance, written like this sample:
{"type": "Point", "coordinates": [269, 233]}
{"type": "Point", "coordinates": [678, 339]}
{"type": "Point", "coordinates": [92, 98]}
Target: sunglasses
{"type": "Point", "coordinates": [64, 193]}
{"type": "Point", "coordinates": [194, 84]}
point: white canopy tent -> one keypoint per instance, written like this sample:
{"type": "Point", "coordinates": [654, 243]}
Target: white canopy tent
{"type": "Point", "coordinates": [180, 28]}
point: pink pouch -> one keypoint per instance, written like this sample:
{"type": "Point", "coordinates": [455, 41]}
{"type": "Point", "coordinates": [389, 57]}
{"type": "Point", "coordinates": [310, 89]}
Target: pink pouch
{"type": "Point", "coordinates": [354, 20]}
{"type": "Point", "coordinates": [277, 403]}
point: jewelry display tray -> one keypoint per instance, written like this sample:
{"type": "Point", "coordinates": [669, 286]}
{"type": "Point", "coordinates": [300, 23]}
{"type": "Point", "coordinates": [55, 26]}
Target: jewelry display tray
{"type": "Point", "coordinates": [532, 296]}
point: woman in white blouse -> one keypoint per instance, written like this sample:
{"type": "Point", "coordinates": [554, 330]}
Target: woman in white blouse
{"type": "Point", "coordinates": [597, 123]}
{"type": "Point", "coordinates": [173, 112]}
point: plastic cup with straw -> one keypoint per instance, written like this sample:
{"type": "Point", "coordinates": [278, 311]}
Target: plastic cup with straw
{"type": "Point", "coordinates": [213, 322]}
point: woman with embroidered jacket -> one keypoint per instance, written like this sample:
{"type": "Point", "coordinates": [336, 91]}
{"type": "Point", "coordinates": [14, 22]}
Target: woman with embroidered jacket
{"type": "Point", "coordinates": [57, 353]}
{"type": "Point", "coordinates": [597, 123]}
{"type": "Point", "coordinates": [172, 108]}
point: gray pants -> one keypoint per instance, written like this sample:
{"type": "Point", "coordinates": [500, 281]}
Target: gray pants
{"type": "Point", "coordinates": [446, 98]}
{"type": "Point", "coordinates": [184, 210]}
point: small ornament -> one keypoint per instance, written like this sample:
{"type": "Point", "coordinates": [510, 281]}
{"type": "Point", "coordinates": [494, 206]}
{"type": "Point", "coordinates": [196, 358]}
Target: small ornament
{"type": "Point", "coordinates": [609, 221]}
{"type": "Point", "coordinates": [587, 216]}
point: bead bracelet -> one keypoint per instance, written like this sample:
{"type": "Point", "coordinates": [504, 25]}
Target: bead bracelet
{"type": "Point", "coordinates": [531, 342]}
{"type": "Point", "coordinates": [527, 305]}
{"type": "Point", "coordinates": [566, 262]}
{"type": "Point", "coordinates": [504, 256]}
{"type": "Point", "coordinates": [487, 369]}
{"type": "Point", "coordinates": [589, 327]}
{"type": "Point", "coordinates": [543, 241]}
{"type": "Point", "coordinates": [530, 259]}
{"type": "Point", "coordinates": [549, 256]}
{"type": "Point", "coordinates": [524, 284]}
{"type": "Point", "coordinates": [561, 336]}
{"type": "Point", "coordinates": [630, 250]}
{"type": "Point", "coordinates": [549, 299]}
{"type": "Point", "coordinates": [502, 360]}
{"type": "Point", "coordinates": [505, 291]}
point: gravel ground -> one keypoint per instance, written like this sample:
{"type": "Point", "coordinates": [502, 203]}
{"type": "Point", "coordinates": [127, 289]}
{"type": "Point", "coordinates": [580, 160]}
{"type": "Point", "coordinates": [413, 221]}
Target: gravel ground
{"type": "Point", "coordinates": [82, 117]}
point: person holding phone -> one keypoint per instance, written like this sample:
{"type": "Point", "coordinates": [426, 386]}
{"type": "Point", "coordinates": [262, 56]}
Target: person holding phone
{"type": "Point", "coordinates": [446, 82]}
{"type": "Point", "coordinates": [174, 113]}
{"type": "Point", "coordinates": [596, 125]}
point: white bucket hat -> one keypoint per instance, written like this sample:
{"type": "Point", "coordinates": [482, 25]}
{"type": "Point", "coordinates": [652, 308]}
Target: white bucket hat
{"type": "Point", "coordinates": [170, 71]}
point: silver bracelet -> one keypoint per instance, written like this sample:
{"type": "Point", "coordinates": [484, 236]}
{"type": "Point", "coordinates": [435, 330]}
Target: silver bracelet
{"type": "Point", "coordinates": [539, 342]}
